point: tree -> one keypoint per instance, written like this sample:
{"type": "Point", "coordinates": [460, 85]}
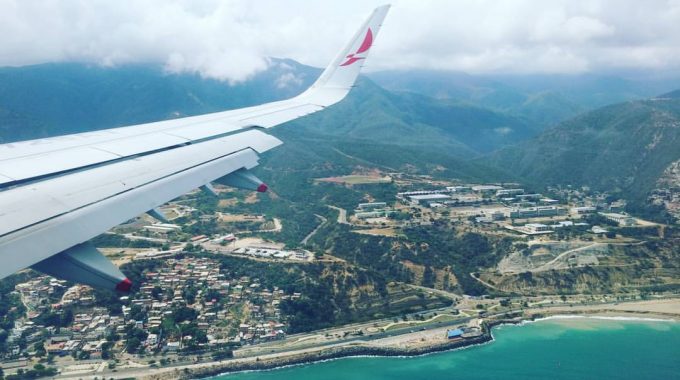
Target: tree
{"type": "Point", "coordinates": [429, 277]}
{"type": "Point", "coordinates": [132, 345]}
{"type": "Point", "coordinates": [39, 349]}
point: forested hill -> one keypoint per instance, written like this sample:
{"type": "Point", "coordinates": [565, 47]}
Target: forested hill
{"type": "Point", "coordinates": [373, 113]}
{"type": "Point", "coordinates": [626, 147]}
{"type": "Point", "coordinates": [541, 99]}
{"type": "Point", "coordinates": [671, 95]}
{"type": "Point", "coordinates": [55, 99]}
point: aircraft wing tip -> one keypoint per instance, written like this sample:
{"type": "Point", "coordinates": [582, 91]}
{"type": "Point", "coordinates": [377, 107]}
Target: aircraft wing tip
{"type": "Point", "coordinates": [124, 286]}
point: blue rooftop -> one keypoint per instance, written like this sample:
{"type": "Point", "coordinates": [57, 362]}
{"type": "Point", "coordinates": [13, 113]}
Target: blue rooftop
{"type": "Point", "coordinates": [454, 333]}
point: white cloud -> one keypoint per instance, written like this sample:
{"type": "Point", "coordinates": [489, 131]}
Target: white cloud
{"type": "Point", "coordinates": [288, 80]}
{"type": "Point", "coordinates": [231, 39]}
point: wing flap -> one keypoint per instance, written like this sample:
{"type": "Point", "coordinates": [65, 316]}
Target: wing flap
{"type": "Point", "coordinates": [36, 242]}
{"type": "Point", "coordinates": [140, 144]}
{"type": "Point", "coordinates": [53, 162]}
{"type": "Point", "coordinates": [26, 160]}
{"type": "Point", "coordinates": [84, 264]}
{"type": "Point", "coordinates": [57, 193]}
{"type": "Point", "coordinates": [63, 194]}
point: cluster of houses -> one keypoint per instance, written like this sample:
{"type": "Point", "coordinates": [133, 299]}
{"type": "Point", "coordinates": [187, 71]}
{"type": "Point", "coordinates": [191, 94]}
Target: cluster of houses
{"type": "Point", "coordinates": [228, 310]}
{"type": "Point", "coordinates": [85, 335]}
{"type": "Point", "coordinates": [216, 316]}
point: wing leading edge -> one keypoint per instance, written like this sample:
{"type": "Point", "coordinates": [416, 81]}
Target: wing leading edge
{"type": "Point", "coordinates": [57, 193]}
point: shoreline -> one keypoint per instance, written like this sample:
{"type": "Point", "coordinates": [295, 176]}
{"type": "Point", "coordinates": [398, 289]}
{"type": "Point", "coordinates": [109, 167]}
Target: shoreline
{"type": "Point", "coordinates": [642, 311]}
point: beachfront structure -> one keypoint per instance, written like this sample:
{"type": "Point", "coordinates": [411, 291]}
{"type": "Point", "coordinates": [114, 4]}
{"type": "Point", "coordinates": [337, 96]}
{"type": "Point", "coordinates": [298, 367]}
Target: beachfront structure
{"type": "Point", "coordinates": [454, 334]}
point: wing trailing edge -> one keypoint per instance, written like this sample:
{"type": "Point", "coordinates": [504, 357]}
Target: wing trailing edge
{"type": "Point", "coordinates": [59, 192]}
{"type": "Point", "coordinates": [83, 263]}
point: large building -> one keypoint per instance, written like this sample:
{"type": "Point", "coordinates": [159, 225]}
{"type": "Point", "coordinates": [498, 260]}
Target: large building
{"type": "Point", "coordinates": [584, 209]}
{"type": "Point", "coordinates": [621, 219]}
{"type": "Point", "coordinates": [536, 212]}
{"type": "Point", "coordinates": [486, 188]}
{"type": "Point", "coordinates": [425, 199]}
{"type": "Point", "coordinates": [371, 206]}
{"type": "Point", "coordinates": [373, 214]}
{"type": "Point", "coordinates": [459, 189]}
{"type": "Point", "coordinates": [532, 229]}
{"type": "Point", "coordinates": [506, 192]}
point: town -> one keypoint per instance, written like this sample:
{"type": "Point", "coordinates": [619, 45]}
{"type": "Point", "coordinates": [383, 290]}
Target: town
{"type": "Point", "coordinates": [185, 305]}
{"type": "Point", "coordinates": [189, 309]}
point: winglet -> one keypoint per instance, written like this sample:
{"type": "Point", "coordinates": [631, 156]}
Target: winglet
{"type": "Point", "coordinates": [339, 77]}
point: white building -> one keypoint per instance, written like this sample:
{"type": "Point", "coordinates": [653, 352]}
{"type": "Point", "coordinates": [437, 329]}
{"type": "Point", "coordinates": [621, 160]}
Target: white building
{"type": "Point", "coordinates": [621, 219]}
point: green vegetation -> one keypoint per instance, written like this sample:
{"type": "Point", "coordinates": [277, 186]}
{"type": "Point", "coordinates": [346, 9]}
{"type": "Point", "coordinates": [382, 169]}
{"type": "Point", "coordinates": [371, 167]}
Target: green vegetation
{"type": "Point", "coordinates": [39, 370]}
{"type": "Point", "coordinates": [434, 247]}
{"type": "Point", "coordinates": [11, 307]}
{"type": "Point", "coordinates": [653, 265]}
{"type": "Point", "coordinates": [332, 294]}
{"type": "Point", "coordinates": [623, 148]}
{"type": "Point", "coordinates": [118, 241]}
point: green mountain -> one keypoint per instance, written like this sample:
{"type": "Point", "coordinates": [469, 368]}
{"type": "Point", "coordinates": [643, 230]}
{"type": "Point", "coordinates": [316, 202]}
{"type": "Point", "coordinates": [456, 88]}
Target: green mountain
{"type": "Point", "coordinates": [543, 100]}
{"type": "Point", "coordinates": [672, 95]}
{"type": "Point", "coordinates": [407, 119]}
{"type": "Point", "coordinates": [55, 99]}
{"type": "Point", "coordinates": [624, 147]}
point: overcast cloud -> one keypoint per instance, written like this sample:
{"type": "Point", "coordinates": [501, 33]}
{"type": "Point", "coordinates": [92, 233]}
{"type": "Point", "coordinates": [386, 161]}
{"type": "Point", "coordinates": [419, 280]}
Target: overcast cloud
{"type": "Point", "coordinates": [232, 39]}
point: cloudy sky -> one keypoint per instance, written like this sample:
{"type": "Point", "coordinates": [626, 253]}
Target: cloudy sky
{"type": "Point", "coordinates": [231, 39]}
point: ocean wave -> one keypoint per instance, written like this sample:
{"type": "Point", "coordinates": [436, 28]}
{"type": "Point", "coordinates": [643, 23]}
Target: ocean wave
{"type": "Point", "coordinates": [605, 318]}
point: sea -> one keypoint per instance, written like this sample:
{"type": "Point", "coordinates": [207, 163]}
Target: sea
{"type": "Point", "coordinates": [555, 348]}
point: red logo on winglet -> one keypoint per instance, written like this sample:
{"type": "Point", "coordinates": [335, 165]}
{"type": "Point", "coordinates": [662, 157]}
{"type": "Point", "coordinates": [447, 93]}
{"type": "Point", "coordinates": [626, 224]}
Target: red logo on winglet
{"type": "Point", "coordinates": [365, 45]}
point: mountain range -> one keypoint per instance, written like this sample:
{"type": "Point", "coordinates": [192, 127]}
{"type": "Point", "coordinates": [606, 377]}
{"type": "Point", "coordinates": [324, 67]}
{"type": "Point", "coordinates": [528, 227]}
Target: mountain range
{"type": "Point", "coordinates": [542, 99]}
{"type": "Point", "coordinates": [623, 147]}
{"type": "Point", "coordinates": [604, 132]}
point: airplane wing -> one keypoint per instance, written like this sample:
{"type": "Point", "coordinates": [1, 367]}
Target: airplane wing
{"type": "Point", "coordinates": [57, 193]}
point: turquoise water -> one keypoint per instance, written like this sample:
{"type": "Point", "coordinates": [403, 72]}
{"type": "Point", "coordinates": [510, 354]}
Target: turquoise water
{"type": "Point", "coordinates": [575, 348]}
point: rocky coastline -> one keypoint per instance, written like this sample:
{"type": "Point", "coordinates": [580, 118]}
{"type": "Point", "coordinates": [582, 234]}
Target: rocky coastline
{"type": "Point", "coordinates": [340, 352]}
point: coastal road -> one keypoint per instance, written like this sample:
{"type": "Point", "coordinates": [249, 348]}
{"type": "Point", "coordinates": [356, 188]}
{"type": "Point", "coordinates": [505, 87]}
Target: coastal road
{"type": "Point", "coordinates": [277, 347]}
{"type": "Point", "coordinates": [267, 349]}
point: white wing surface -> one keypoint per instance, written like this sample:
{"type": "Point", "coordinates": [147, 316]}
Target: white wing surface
{"type": "Point", "coordinates": [57, 193]}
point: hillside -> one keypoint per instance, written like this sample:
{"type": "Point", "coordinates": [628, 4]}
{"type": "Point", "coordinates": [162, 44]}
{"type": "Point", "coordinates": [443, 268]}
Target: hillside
{"type": "Point", "coordinates": [542, 100]}
{"type": "Point", "coordinates": [373, 113]}
{"type": "Point", "coordinates": [624, 147]}
{"type": "Point", "coordinates": [54, 99]}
